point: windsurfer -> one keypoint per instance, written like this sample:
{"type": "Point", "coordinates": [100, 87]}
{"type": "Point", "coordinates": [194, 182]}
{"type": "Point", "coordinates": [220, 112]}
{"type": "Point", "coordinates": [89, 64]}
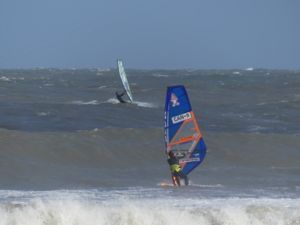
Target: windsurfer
{"type": "Point", "coordinates": [176, 170]}
{"type": "Point", "coordinates": [119, 96]}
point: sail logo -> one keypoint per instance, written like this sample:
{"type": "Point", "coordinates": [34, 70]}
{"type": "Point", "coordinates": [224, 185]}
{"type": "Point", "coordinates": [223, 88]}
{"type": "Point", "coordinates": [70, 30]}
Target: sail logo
{"type": "Point", "coordinates": [189, 160]}
{"type": "Point", "coordinates": [174, 100]}
{"type": "Point", "coordinates": [182, 117]}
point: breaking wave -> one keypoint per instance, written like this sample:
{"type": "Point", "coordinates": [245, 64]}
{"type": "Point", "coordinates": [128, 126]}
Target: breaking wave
{"type": "Point", "coordinates": [92, 207]}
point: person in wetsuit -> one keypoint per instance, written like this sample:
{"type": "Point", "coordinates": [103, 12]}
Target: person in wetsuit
{"type": "Point", "coordinates": [119, 97]}
{"type": "Point", "coordinates": [176, 170]}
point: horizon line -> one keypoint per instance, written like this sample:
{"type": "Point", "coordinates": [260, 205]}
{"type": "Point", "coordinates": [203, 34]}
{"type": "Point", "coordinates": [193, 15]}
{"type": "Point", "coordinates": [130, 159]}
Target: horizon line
{"type": "Point", "coordinates": [147, 69]}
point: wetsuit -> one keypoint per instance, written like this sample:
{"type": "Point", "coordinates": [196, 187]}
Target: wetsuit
{"type": "Point", "coordinates": [119, 97]}
{"type": "Point", "coordinates": [177, 171]}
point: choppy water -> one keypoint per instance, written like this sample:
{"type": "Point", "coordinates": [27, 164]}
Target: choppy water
{"type": "Point", "coordinates": [70, 154]}
{"type": "Point", "coordinates": [70, 100]}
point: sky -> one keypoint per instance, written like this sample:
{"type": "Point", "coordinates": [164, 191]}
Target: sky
{"type": "Point", "coordinates": [150, 34]}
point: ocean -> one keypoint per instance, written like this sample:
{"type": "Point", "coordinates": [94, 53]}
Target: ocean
{"type": "Point", "coordinates": [72, 155]}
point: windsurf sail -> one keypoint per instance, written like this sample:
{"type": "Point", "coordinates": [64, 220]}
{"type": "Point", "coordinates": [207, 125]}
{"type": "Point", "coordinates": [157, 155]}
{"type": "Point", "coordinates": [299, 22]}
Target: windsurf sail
{"type": "Point", "coordinates": [182, 133]}
{"type": "Point", "coordinates": [124, 79]}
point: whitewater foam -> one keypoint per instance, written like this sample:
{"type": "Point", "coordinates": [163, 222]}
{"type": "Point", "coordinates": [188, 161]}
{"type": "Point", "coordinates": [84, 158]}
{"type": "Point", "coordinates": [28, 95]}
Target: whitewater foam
{"type": "Point", "coordinates": [249, 69]}
{"type": "Point", "coordinates": [3, 78]}
{"type": "Point", "coordinates": [138, 103]}
{"type": "Point", "coordinates": [121, 207]}
{"type": "Point", "coordinates": [43, 113]}
{"type": "Point", "coordinates": [160, 75]}
{"type": "Point", "coordinates": [79, 102]}
{"type": "Point", "coordinates": [112, 101]}
{"type": "Point", "coordinates": [145, 104]}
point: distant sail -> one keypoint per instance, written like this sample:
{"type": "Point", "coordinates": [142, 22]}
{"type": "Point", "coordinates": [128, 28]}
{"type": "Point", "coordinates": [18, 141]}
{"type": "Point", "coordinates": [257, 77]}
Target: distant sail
{"type": "Point", "coordinates": [182, 133]}
{"type": "Point", "coordinates": [124, 79]}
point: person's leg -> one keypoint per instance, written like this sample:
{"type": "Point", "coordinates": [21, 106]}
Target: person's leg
{"type": "Point", "coordinates": [186, 180]}
{"type": "Point", "coordinates": [185, 177]}
{"type": "Point", "coordinates": [176, 180]}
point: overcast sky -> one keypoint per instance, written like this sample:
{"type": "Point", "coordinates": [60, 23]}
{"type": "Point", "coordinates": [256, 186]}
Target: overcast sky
{"type": "Point", "coordinates": [150, 34]}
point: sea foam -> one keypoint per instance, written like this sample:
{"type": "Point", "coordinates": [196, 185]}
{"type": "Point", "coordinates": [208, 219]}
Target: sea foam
{"type": "Point", "coordinates": [88, 209]}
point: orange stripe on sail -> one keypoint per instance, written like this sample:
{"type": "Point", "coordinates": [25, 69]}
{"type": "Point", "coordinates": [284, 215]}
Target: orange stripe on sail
{"type": "Point", "coordinates": [182, 140]}
{"type": "Point", "coordinates": [188, 138]}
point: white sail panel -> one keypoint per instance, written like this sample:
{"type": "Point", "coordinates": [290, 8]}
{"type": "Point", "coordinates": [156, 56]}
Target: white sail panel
{"type": "Point", "coordinates": [124, 80]}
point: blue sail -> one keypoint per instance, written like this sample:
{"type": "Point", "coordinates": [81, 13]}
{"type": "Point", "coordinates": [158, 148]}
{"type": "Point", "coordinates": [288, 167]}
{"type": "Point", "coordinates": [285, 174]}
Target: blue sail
{"type": "Point", "coordinates": [182, 133]}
